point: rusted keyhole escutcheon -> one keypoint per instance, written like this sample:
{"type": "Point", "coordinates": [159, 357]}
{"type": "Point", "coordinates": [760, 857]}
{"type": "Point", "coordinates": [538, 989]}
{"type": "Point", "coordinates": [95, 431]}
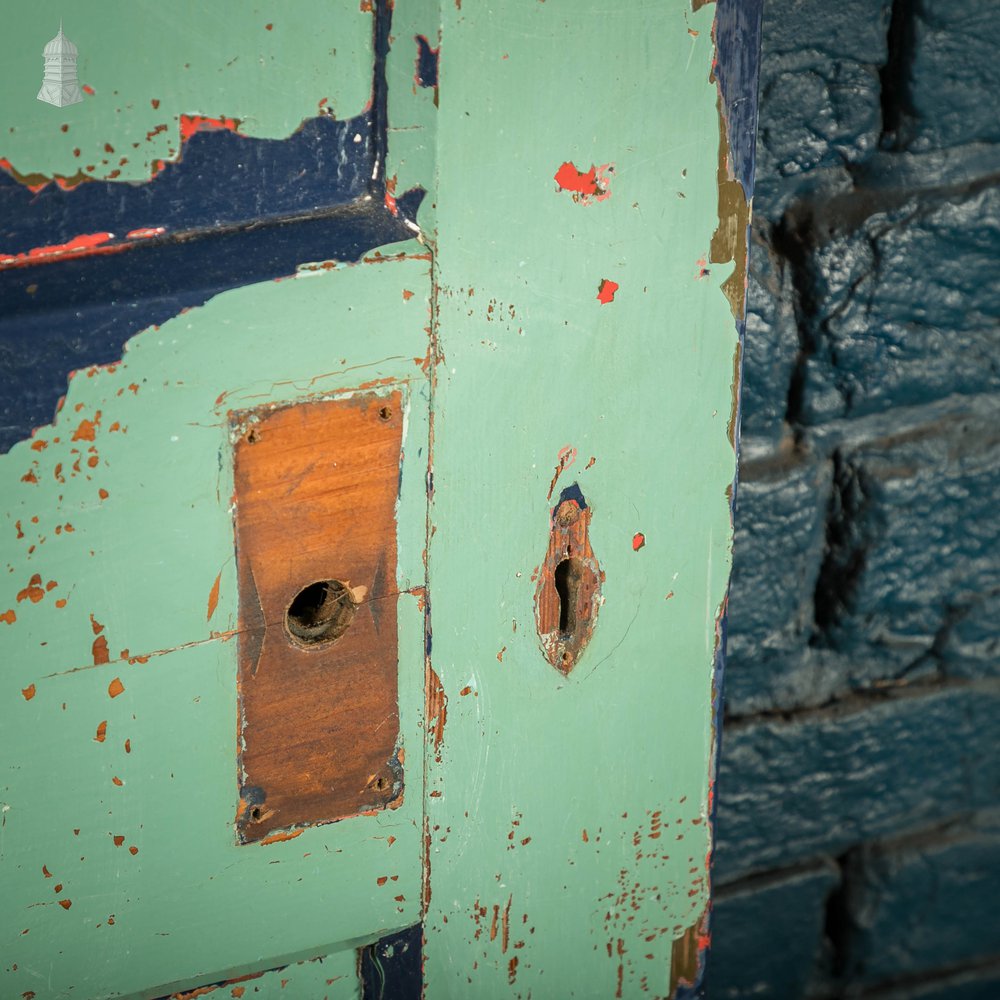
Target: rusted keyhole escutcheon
{"type": "Point", "coordinates": [320, 613]}
{"type": "Point", "coordinates": [569, 584]}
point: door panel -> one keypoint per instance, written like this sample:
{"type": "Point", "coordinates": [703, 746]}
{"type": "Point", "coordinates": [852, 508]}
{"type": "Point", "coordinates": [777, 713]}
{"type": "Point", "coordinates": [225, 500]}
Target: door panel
{"type": "Point", "coordinates": [121, 754]}
{"type": "Point", "coordinates": [194, 791]}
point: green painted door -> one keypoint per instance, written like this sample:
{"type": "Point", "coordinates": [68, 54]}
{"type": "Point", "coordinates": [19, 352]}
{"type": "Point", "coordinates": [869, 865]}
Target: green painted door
{"type": "Point", "coordinates": [553, 334]}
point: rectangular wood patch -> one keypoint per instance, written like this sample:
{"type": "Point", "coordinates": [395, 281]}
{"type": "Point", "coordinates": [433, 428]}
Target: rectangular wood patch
{"type": "Point", "coordinates": [316, 490]}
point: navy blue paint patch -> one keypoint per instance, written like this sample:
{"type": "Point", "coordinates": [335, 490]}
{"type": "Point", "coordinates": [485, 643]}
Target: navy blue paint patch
{"type": "Point", "coordinates": [391, 968]}
{"type": "Point", "coordinates": [572, 493]}
{"type": "Point", "coordinates": [737, 44]}
{"type": "Point", "coordinates": [427, 62]}
{"type": "Point", "coordinates": [222, 179]}
{"type": "Point", "coordinates": [68, 315]}
{"type": "Point", "coordinates": [236, 211]}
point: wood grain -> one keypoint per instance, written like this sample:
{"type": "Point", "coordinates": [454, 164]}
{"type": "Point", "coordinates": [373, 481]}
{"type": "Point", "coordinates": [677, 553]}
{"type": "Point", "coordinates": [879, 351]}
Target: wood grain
{"type": "Point", "coordinates": [316, 489]}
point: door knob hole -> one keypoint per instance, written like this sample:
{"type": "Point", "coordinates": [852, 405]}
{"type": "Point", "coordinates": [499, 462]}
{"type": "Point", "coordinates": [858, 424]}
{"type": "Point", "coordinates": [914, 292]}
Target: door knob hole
{"type": "Point", "coordinates": [320, 613]}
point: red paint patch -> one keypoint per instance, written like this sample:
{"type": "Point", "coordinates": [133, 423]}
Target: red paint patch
{"type": "Point", "coordinates": [606, 291]}
{"type": "Point", "coordinates": [116, 687]}
{"type": "Point", "coordinates": [213, 597]}
{"type": "Point", "coordinates": [102, 732]}
{"type": "Point", "coordinates": [155, 102]}
{"type": "Point", "coordinates": [268, 27]}
{"type": "Point", "coordinates": [9, 617]}
{"type": "Point", "coordinates": [28, 692]}
{"type": "Point", "coordinates": [77, 245]}
{"type": "Point", "coordinates": [200, 123]}
{"type": "Point", "coordinates": [145, 234]}
{"type": "Point", "coordinates": [87, 89]}
{"type": "Point", "coordinates": [128, 746]}
{"type": "Point", "coordinates": [66, 903]}
{"type": "Point", "coordinates": [638, 541]}
{"type": "Point", "coordinates": [570, 179]}
{"type": "Point", "coordinates": [407, 295]}
{"type": "Point", "coordinates": [594, 185]}
{"type": "Point", "coordinates": [133, 850]}
{"type": "Point", "coordinates": [390, 195]}
{"type": "Point", "coordinates": [117, 781]}
{"type": "Point", "coordinates": [118, 840]}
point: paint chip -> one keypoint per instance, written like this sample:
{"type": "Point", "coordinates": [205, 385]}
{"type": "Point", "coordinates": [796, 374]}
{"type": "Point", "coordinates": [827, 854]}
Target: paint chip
{"type": "Point", "coordinates": [116, 687]}
{"type": "Point", "coordinates": [102, 732]}
{"type": "Point", "coordinates": [213, 597]}
{"type": "Point", "coordinates": [28, 692]}
{"type": "Point", "coordinates": [584, 186]}
{"type": "Point", "coordinates": [606, 291]}
{"type": "Point", "coordinates": [638, 541]}
{"type": "Point", "coordinates": [99, 651]}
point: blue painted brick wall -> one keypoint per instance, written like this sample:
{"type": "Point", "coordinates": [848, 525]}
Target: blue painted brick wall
{"type": "Point", "coordinates": [858, 836]}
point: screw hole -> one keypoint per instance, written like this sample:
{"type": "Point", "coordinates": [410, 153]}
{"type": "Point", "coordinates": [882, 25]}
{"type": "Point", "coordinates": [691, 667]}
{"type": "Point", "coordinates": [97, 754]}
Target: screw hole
{"type": "Point", "coordinates": [320, 613]}
{"type": "Point", "coordinates": [252, 436]}
{"type": "Point", "coordinates": [255, 814]}
{"type": "Point", "coordinates": [385, 413]}
{"type": "Point", "coordinates": [380, 784]}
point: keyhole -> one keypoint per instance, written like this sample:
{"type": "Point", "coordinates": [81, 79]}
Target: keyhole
{"type": "Point", "coordinates": [567, 581]}
{"type": "Point", "coordinates": [320, 613]}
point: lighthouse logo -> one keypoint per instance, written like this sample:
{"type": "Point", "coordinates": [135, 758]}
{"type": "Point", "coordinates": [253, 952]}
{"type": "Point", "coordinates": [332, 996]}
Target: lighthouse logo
{"type": "Point", "coordinates": [59, 85]}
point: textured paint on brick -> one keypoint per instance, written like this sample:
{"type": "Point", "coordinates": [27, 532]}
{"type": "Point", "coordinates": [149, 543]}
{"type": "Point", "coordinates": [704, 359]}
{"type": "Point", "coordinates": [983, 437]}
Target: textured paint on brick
{"type": "Point", "coordinates": [835, 778]}
{"type": "Point", "coordinates": [902, 897]}
{"type": "Point", "coordinates": [747, 920]}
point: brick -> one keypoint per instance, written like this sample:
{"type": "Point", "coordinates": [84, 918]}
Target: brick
{"type": "Point", "coordinates": [769, 348]}
{"type": "Point", "coordinates": [971, 984]}
{"type": "Point", "coordinates": [767, 935]}
{"type": "Point", "coordinates": [819, 92]}
{"type": "Point", "coordinates": [778, 548]}
{"type": "Point", "coordinates": [818, 783]}
{"type": "Point", "coordinates": [928, 540]}
{"type": "Point", "coordinates": [953, 70]}
{"type": "Point", "coordinates": [907, 308]}
{"type": "Point", "coordinates": [971, 646]}
{"type": "Point", "coordinates": [925, 902]}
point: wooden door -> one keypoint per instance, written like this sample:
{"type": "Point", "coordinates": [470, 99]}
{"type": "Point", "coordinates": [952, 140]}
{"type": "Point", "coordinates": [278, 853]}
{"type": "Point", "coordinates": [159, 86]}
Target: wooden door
{"type": "Point", "coordinates": [365, 590]}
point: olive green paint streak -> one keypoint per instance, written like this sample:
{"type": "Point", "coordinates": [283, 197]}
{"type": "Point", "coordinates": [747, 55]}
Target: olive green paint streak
{"type": "Point", "coordinates": [572, 811]}
{"type": "Point", "coordinates": [188, 905]}
{"type": "Point", "coordinates": [148, 64]}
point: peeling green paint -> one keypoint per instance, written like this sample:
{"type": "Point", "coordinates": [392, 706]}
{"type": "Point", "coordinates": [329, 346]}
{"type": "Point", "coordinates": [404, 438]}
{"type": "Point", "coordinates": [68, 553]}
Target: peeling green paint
{"type": "Point", "coordinates": [562, 834]}
{"type": "Point", "coordinates": [577, 806]}
{"type": "Point", "coordinates": [140, 564]}
{"type": "Point", "coordinates": [148, 64]}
